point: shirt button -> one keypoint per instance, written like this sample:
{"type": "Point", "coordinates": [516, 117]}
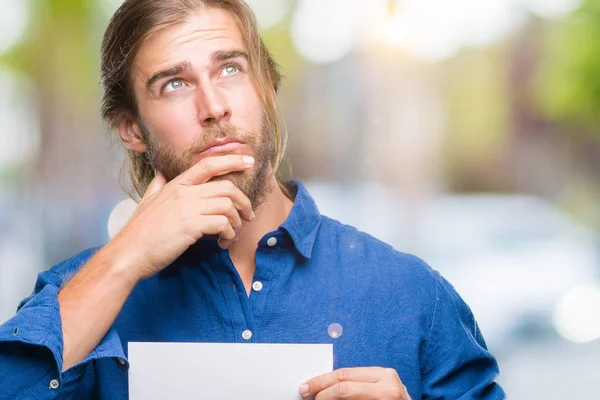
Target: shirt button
{"type": "Point", "coordinates": [54, 384]}
{"type": "Point", "coordinates": [247, 334]}
{"type": "Point", "coordinates": [257, 286]}
{"type": "Point", "coordinates": [272, 242]}
{"type": "Point", "coordinates": [121, 361]}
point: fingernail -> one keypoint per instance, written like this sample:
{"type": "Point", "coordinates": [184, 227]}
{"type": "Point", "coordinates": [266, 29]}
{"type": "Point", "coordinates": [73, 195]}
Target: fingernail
{"type": "Point", "coordinates": [248, 160]}
{"type": "Point", "coordinates": [303, 389]}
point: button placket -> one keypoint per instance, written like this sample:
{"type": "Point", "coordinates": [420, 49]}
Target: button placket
{"type": "Point", "coordinates": [237, 301]}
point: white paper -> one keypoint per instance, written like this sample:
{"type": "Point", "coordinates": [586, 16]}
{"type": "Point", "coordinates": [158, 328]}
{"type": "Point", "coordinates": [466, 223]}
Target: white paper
{"type": "Point", "coordinates": [225, 371]}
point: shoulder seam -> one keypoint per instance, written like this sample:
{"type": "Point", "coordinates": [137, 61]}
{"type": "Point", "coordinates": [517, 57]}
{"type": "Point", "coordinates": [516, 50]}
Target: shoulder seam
{"type": "Point", "coordinates": [437, 299]}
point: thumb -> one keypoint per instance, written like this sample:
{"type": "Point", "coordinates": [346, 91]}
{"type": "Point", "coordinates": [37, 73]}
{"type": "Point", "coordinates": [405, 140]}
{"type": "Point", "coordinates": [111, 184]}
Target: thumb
{"type": "Point", "coordinates": [155, 185]}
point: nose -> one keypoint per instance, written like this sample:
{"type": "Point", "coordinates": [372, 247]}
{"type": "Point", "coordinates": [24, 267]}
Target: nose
{"type": "Point", "coordinates": [212, 105]}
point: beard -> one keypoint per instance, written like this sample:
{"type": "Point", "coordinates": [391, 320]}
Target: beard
{"type": "Point", "coordinates": [253, 182]}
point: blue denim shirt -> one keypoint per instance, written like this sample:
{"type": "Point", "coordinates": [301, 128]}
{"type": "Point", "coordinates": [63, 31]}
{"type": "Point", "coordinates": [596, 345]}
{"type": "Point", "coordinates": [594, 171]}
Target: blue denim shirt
{"type": "Point", "coordinates": [395, 312]}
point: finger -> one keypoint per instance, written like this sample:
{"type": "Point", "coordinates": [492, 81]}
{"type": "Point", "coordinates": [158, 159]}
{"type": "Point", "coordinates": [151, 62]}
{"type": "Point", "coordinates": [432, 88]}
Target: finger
{"type": "Point", "coordinates": [352, 390]}
{"type": "Point", "coordinates": [222, 206]}
{"type": "Point", "coordinates": [216, 225]}
{"type": "Point", "coordinates": [210, 167]}
{"type": "Point", "coordinates": [155, 185]}
{"type": "Point", "coordinates": [322, 382]}
{"type": "Point", "coordinates": [226, 188]}
{"type": "Point", "coordinates": [224, 244]}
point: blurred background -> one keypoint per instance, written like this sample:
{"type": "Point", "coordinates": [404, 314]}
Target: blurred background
{"type": "Point", "coordinates": [465, 131]}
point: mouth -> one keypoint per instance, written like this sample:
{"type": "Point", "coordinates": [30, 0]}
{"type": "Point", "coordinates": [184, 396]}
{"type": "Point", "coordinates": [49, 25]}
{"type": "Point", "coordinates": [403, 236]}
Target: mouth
{"type": "Point", "coordinates": [226, 145]}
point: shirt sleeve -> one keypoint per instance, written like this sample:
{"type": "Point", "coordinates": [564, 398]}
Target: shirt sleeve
{"type": "Point", "coordinates": [31, 343]}
{"type": "Point", "coordinates": [457, 364]}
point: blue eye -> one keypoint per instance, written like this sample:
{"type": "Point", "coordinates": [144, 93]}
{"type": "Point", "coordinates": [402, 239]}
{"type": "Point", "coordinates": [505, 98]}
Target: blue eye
{"type": "Point", "coordinates": [230, 70]}
{"type": "Point", "coordinates": [175, 84]}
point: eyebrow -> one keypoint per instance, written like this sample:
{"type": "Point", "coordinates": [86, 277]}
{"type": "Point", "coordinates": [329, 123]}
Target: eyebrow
{"type": "Point", "coordinates": [219, 56]}
{"type": "Point", "coordinates": [186, 66]}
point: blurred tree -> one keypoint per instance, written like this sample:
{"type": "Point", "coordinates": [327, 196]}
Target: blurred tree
{"type": "Point", "coordinates": [70, 185]}
{"type": "Point", "coordinates": [475, 86]}
{"type": "Point", "coordinates": [567, 90]}
{"type": "Point", "coordinates": [568, 82]}
{"type": "Point", "coordinates": [60, 50]}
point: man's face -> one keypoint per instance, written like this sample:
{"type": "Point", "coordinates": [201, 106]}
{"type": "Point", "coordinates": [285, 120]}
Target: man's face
{"type": "Point", "coordinates": [196, 99]}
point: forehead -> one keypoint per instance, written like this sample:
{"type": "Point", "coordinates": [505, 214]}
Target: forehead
{"type": "Point", "coordinates": [194, 40]}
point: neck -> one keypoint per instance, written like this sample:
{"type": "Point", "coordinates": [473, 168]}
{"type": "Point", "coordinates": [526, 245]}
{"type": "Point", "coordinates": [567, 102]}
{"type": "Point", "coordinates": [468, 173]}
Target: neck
{"type": "Point", "coordinates": [270, 214]}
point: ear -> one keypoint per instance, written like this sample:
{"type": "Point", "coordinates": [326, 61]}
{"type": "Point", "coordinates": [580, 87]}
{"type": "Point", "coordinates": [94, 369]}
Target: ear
{"type": "Point", "coordinates": [131, 134]}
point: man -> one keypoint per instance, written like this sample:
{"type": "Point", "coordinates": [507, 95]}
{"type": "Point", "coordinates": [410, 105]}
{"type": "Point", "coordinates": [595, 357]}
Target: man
{"type": "Point", "coordinates": [220, 250]}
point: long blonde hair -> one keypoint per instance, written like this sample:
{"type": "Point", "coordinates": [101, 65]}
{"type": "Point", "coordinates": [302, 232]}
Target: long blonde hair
{"type": "Point", "coordinates": [129, 27]}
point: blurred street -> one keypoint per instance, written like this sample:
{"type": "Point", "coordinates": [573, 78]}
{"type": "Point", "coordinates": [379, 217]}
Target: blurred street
{"type": "Point", "coordinates": [551, 369]}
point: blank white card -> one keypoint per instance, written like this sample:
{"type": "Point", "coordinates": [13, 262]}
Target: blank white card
{"type": "Point", "coordinates": [224, 371]}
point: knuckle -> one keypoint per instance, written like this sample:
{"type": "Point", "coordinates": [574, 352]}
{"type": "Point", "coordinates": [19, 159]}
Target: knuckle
{"type": "Point", "coordinates": [343, 374]}
{"type": "Point", "coordinates": [224, 224]}
{"type": "Point", "coordinates": [318, 384]}
{"type": "Point", "coordinates": [393, 392]}
{"type": "Point", "coordinates": [342, 389]}
{"type": "Point", "coordinates": [391, 372]}
{"type": "Point", "coordinates": [229, 186]}
{"type": "Point", "coordinates": [236, 191]}
{"type": "Point", "coordinates": [207, 164]}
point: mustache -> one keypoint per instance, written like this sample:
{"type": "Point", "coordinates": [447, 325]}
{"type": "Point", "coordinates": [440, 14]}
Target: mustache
{"type": "Point", "coordinates": [213, 133]}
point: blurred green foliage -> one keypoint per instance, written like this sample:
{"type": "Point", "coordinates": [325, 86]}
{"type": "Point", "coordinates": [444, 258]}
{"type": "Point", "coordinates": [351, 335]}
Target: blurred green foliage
{"type": "Point", "coordinates": [478, 107]}
{"type": "Point", "coordinates": [60, 50]}
{"type": "Point", "coordinates": [567, 85]}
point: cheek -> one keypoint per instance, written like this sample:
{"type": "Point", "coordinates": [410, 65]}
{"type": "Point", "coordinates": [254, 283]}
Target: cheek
{"type": "Point", "coordinates": [246, 109]}
{"type": "Point", "coordinates": [173, 124]}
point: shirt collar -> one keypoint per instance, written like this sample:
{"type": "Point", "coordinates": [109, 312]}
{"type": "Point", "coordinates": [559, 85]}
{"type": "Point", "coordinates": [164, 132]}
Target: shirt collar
{"type": "Point", "coordinates": [304, 220]}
